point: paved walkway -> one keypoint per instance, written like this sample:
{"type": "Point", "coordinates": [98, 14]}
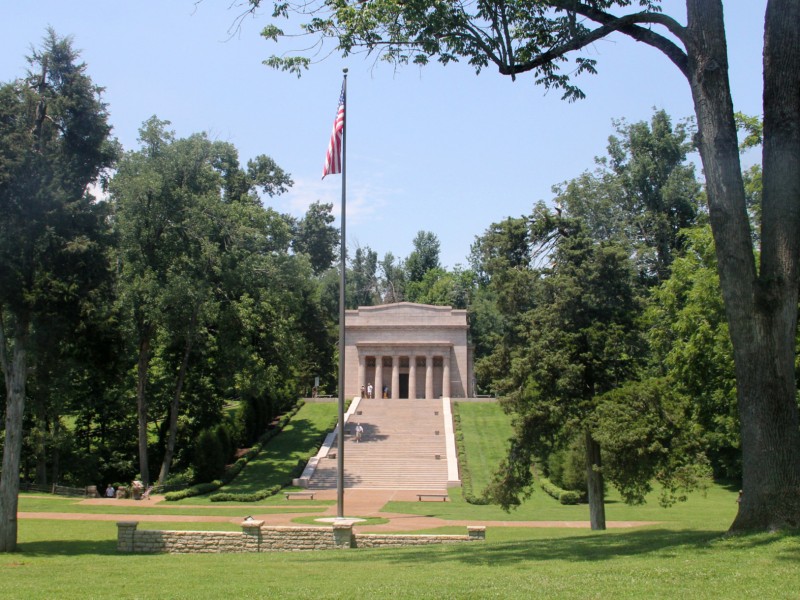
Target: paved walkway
{"type": "Point", "coordinates": [361, 503]}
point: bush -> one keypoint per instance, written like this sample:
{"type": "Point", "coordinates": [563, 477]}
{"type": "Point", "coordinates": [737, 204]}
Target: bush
{"type": "Point", "coordinates": [195, 490]}
{"type": "Point", "coordinates": [209, 455]}
{"type": "Point", "coordinates": [563, 496]}
{"type": "Point", "coordinates": [254, 497]}
{"type": "Point", "coordinates": [567, 468]}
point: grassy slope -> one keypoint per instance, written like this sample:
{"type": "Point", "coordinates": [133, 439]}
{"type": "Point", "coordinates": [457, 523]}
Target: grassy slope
{"type": "Point", "coordinates": [486, 429]}
{"type": "Point", "coordinates": [686, 555]}
{"type": "Point", "coordinates": [277, 462]}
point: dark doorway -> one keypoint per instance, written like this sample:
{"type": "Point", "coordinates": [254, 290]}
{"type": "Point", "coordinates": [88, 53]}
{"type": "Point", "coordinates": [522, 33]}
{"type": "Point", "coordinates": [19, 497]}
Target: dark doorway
{"type": "Point", "coordinates": [404, 385]}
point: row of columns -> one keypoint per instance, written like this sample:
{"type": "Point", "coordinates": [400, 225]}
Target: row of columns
{"type": "Point", "coordinates": [412, 374]}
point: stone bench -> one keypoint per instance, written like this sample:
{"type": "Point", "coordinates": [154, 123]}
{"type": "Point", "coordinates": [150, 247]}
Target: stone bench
{"type": "Point", "coordinates": [443, 497]}
{"type": "Point", "coordinates": [289, 495]}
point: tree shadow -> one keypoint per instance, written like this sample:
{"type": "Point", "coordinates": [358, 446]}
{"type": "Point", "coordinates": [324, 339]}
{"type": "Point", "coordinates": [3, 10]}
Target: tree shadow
{"type": "Point", "coordinates": [664, 543]}
{"type": "Point", "coordinates": [67, 548]}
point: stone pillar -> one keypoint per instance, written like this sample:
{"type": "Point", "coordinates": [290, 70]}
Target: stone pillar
{"type": "Point", "coordinates": [126, 530]}
{"type": "Point", "coordinates": [343, 535]}
{"type": "Point", "coordinates": [378, 376]}
{"type": "Point", "coordinates": [362, 374]}
{"type": "Point", "coordinates": [429, 377]}
{"type": "Point", "coordinates": [412, 377]}
{"type": "Point", "coordinates": [395, 391]}
{"type": "Point", "coordinates": [446, 374]}
{"type": "Point", "coordinates": [251, 534]}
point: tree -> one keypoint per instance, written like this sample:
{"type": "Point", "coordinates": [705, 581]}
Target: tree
{"type": "Point", "coordinates": [424, 256]}
{"type": "Point", "coordinates": [690, 344]}
{"type": "Point", "coordinates": [316, 237]}
{"type": "Point", "coordinates": [394, 279]}
{"type": "Point", "coordinates": [760, 290]}
{"type": "Point", "coordinates": [363, 279]}
{"type": "Point", "coordinates": [643, 193]}
{"type": "Point", "coordinates": [180, 205]}
{"type": "Point", "coordinates": [579, 342]}
{"type": "Point", "coordinates": [54, 142]}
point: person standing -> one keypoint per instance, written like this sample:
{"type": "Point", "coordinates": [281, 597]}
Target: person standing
{"type": "Point", "coordinates": [369, 390]}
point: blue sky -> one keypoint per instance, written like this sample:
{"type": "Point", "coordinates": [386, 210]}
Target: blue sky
{"type": "Point", "coordinates": [436, 149]}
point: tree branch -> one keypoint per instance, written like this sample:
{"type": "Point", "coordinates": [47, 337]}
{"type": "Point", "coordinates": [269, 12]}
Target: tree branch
{"type": "Point", "coordinates": [610, 24]}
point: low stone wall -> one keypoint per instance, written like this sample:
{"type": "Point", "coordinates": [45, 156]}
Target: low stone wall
{"type": "Point", "coordinates": [384, 540]}
{"type": "Point", "coordinates": [255, 537]}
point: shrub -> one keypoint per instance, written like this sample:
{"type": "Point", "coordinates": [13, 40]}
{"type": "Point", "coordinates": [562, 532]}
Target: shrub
{"type": "Point", "coordinates": [563, 496]}
{"type": "Point", "coordinates": [209, 456]}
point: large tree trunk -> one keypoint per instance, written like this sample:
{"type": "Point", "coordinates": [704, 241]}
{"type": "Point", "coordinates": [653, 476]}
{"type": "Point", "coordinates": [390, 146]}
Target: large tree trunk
{"type": "Point", "coordinates": [594, 483]}
{"type": "Point", "coordinates": [14, 371]}
{"type": "Point", "coordinates": [141, 402]}
{"type": "Point", "coordinates": [761, 305]}
{"type": "Point", "coordinates": [174, 409]}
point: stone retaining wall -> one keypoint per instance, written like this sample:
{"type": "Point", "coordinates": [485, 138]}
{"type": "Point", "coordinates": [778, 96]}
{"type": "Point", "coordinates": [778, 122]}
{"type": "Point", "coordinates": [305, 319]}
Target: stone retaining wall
{"type": "Point", "coordinates": [255, 537]}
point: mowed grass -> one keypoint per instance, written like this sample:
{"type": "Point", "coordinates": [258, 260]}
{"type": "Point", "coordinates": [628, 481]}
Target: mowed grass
{"type": "Point", "coordinates": [686, 555]}
{"type": "Point", "coordinates": [486, 429]}
{"type": "Point", "coordinates": [78, 559]}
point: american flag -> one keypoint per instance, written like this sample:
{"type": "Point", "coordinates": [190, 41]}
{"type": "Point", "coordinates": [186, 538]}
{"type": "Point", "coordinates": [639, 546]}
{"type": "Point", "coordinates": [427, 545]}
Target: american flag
{"type": "Point", "coordinates": [333, 158]}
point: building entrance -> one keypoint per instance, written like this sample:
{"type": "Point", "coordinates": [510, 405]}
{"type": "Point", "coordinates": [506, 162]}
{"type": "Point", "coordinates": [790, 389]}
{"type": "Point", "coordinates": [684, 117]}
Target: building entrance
{"type": "Point", "coordinates": [403, 385]}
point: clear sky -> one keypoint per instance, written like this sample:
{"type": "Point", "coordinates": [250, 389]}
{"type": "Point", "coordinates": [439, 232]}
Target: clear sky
{"type": "Point", "coordinates": [437, 149]}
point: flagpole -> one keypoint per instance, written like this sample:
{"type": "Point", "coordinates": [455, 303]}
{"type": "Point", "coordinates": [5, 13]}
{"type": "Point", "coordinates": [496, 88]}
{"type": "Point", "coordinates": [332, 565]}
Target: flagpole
{"type": "Point", "coordinates": [342, 281]}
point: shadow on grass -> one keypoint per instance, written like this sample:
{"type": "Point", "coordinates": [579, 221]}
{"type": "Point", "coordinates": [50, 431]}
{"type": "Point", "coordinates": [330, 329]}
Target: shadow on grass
{"type": "Point", "coordinates": [67, 548]}
{"type": "Point", "coordinates": [659, 543]}
{"type": "Point", "coordinates": [277, 463]}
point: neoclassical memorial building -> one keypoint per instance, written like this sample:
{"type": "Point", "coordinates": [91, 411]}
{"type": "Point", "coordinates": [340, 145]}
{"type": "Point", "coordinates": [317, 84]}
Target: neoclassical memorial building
{"type": "Point", "coordinates": [413, 350]}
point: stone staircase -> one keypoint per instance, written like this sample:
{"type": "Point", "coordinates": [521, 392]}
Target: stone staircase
{"type": "Point", "coordinates": [400, 448]}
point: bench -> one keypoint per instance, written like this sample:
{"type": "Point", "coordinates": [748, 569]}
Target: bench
{"type": "Point", "coordinates": [437, 496]}
{"type": "Point", "coordinates": [289, 495]}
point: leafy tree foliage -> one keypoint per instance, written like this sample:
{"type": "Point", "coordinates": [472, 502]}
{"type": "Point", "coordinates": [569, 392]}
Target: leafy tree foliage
{"type": "Point", "coordinates": [579, 342]}
{"type": "Point", "coordinates": [316, 237]}
{"type": "Point", "coordinates": [424, 256]}
{"type": "Point", "coordinates": [690, 343]}
{"type": "Point", "coordinates": [643, 193]}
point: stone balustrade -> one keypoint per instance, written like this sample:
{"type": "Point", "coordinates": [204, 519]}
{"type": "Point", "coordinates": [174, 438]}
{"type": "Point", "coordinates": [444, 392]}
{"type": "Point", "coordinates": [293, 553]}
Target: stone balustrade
{"type": "Point", "coordinates": [255, 537]}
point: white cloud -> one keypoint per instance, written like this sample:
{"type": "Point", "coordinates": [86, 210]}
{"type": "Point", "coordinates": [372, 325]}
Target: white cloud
{"type": "Point", "coordinates": [364, 201]}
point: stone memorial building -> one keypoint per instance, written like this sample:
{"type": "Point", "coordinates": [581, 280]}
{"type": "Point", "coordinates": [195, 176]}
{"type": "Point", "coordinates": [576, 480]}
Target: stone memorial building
{"type": "Point", "coordinates": [411, 350]}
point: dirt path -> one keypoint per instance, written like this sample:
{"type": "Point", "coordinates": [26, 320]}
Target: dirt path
{"type": "Point", "coordinates": [363, 503]}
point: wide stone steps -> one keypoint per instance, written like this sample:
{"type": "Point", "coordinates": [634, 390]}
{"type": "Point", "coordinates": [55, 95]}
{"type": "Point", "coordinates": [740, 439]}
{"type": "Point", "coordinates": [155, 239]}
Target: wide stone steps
{"type": "Point", "coordinates": [398, 450]}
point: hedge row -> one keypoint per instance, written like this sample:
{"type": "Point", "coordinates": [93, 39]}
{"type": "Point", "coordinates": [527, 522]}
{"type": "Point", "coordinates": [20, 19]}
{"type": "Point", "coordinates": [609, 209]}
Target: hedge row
{"type": "Point", "coordinates": [563, 496]}
{"type": "Point", "coordinates": [236, 468]}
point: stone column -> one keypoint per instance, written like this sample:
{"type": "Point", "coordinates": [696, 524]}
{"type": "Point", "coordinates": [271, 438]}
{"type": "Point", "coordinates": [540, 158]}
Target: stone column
{"type": "Point", "coordinates": [395, 391]}
{"type": "Point", "coordinates": [446, 374]}
{"type": "Point", "coordinates": [343, 535]}
{"type": "Point", "coordinates": [429, 377]}
{"type": "Point", "coordinates": [251, 535]}
{"type": "Point", "coordinates": [126, 532]}
{"type": "Point", "coordinates": [378, 376]}
{"type": "Point", "coordinates": [412, 377]}
{"type": "Point", "coordinates": [362, 374]}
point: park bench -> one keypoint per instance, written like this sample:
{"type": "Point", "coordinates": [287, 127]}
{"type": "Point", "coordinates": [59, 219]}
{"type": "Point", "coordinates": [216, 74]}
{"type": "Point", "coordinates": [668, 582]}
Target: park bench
{"type": "Point", "coordinates": [289, 495]}
{"type": "Point", "coordinates": [443, 497]}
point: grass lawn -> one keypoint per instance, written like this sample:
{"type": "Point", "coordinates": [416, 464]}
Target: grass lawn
{"type": "Point", "coordinates": [75, 559]}
{"type": "Point", "coordinates": [486, 429]}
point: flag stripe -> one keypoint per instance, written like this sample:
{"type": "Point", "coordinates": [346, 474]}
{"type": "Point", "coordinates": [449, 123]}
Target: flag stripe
{"type": "Point", "coordinates": [333, 157]}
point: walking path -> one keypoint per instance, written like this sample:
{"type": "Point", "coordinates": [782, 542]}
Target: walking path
{"type": "Point", "coordinates": [357, 502]}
